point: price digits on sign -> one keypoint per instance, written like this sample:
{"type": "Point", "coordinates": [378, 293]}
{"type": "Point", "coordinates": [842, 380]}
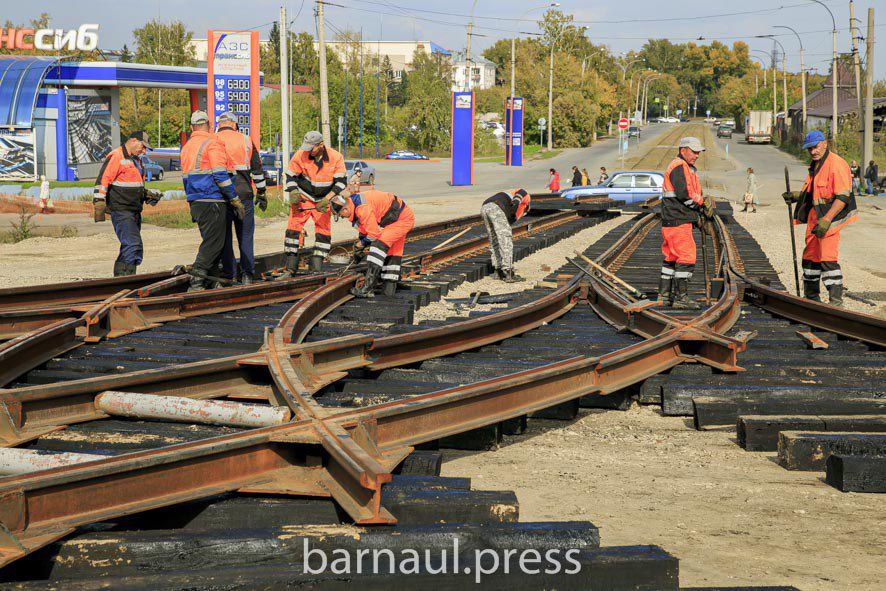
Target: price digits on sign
{"type": "Point", "coordinates": [234, 97]}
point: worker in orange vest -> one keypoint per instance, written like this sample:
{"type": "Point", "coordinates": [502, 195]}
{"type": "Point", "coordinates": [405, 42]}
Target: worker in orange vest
{"type": "Point", "coordinates": [120, 190]}
{"type": "Point", "coordinates": [383, 221]}
{"type": "Point", "coordinates": [244, 163]}
{"type": "Point", "coordinates": [315, 174]}
{"type": "Point", "coordinates": [682, 201]}
{"type": "Point", "coordinates": [210, 192]}
{"type": "Point", "coordinates": [825, 205]}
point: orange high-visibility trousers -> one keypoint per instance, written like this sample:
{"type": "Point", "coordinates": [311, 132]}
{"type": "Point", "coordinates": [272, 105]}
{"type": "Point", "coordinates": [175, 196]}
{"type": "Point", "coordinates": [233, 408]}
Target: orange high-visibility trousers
{"type": "Point", "coordinates": [821, 250]}
{"type": "Point", "coordinates": [394, 235]}
{"type": "Point", "coordinates": [301, 213]}
{"type": "Point", "coordinates": [678, 244]}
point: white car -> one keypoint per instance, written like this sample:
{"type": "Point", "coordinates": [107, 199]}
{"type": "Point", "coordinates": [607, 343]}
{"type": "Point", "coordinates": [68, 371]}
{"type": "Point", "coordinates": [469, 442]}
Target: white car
{"type": "Point", "coordinates": [672, 120]}
{"type": "Point", "coordinates": [710, 120]}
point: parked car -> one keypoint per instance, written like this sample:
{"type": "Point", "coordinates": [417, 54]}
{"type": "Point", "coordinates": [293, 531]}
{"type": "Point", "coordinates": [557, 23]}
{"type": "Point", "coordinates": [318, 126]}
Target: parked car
{"type": "Point", "coordinates": [153, 171]}
{"type": "Point", "coordinates": [405, 155]}
{"type": "Point", "coordinates": [712, 120]}
{"type": "Point", "coordinates": [368, 172]}
{"type": "Point", "coordinates": [725, 131]}
{"type": "Point", "coordinates": [629, 187]}
{"type": "Point", "coordinates": [273, 173]}
{"type": "Point", "coordinates": [633, 131]}
{"type": "Point", "coordinates": [728, 122]}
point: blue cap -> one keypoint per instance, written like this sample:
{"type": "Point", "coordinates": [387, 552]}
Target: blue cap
{"type": "Point", "coordinates": [812, 139]}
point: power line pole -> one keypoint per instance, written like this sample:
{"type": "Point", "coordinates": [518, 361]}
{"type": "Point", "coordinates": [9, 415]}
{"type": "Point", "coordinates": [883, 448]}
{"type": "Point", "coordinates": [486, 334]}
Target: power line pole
{"type": "Point", "coordinates": [868, 142]}
{"type": "Point", "coordinates": [324, 86]}
{"type": "Point", "coordinates": [284, 84]}
{"type": "Point", "coordinates": [853, 32]}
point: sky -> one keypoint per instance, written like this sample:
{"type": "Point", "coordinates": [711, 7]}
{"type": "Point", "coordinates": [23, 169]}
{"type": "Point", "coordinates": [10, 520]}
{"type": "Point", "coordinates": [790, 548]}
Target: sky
{"type": "Point", "coordinates": [622, 26]}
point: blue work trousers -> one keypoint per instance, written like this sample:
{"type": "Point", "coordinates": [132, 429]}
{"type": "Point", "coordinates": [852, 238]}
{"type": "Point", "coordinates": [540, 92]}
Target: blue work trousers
{"type": "Point", "coordinates": [128, 227]}
{"type": "Point", "coordinates": [245, 231]}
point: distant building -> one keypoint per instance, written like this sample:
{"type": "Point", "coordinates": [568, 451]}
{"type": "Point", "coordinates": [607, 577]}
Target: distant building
{"type": "Point", "coordinates": [820, 104]}
{"type": "Point", "coordinates": [400, 53]}
{"type": "Point", "coordinates": [482, 72]}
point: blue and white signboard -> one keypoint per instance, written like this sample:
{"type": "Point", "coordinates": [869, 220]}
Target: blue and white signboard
{"type": "Point", "coordinates": [514, 131]}
{"type": "Point", "coordinates": [462, 139]}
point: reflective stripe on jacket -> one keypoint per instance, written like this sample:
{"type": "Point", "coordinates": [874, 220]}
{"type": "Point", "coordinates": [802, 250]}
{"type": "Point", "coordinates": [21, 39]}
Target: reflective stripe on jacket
{"type": "Point", "coordinates": [120, 181]}
{"type": "Point", "coordinates": [244, 162]}
{"type": "Point", "coordinates": [204, 169]}
{"type": "Point", "coordinates": [829, 179]}
{"type": "Point", "coordinates": [681, 194]}
{"type": "Point", "coordinates": [316, 178]}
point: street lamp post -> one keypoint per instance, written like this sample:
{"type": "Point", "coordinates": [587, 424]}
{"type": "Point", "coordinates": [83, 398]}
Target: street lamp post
{"type": "Point", "coordinates": [646, 96]}
{"type": "Point", "coordinates": [468, 69]}
{"type": "Point", "coordinates": [784, 78]}
{"type": "Point", "coordinates": [833, 70]}
{"type": "Point", "coordinates": [514, 43]}
{"type": "Point", "coordinates": [774, 82]}
{"type": "Point", "coordinates": [551, 91]}
{"type": "Point", "coordinates": [802, 71]}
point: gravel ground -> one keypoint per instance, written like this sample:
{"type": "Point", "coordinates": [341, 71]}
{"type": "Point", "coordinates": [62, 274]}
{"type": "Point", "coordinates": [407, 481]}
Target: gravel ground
{"type": "Point", "coordinates": [533, 268]}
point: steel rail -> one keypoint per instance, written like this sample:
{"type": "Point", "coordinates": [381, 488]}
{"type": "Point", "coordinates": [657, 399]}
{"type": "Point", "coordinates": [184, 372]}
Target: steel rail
{"type": "Point", "coordinates": [347, 455]}
{"type": "Point", "coordinates": [23, 309]}
{"type": "Point", "coordinates": [29, 410]}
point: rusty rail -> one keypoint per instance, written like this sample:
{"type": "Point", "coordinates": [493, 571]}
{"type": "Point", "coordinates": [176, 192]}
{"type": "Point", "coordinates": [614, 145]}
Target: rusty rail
{"type": "Point", "coordinates": [347, 454]}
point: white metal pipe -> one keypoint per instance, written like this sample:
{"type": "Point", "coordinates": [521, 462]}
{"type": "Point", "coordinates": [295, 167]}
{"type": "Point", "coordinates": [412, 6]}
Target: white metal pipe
{"type": "Point", "coordinates": [22, 461]}
{"type": "Point", "coordinates": [188, 410]}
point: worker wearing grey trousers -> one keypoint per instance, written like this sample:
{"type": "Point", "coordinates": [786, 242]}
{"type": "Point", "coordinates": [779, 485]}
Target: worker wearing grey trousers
{"type": "Point", "coordinates": [498, 213]}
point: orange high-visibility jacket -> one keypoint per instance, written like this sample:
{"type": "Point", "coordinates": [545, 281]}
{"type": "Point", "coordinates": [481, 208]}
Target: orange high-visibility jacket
{"type": "Point", "coordinates": [121, 181]}
{"type": "Point", "coordinates": [244, 162]}
{"type": "Point", "coordinates": [681, 194]}
{"type": "Point", "coordinates": [373, 210]}
{"type": "Point", "coordinates": [827, 180]}
{"type": "Point", "coordinates": [316, 178]}
{"type": "Point", "coordinates": [204, 169]}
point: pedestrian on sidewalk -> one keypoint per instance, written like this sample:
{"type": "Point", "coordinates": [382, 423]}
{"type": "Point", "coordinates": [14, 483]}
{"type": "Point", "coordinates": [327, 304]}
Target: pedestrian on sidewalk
{"type": "Point", "coordinates": [585, 177]}
{"type": "Point", "coordinates": [604, 176]}
{"type": "Point", "coordinates": [750, 193]}
{"type": "Point", "coordinates": [576, 177]}
{"type": "Point", "coordinates": [872, 176]}
{"type": "Point", "coordinates": [554, 181]}
{"type": "Point", "coordinates": [855, 169]}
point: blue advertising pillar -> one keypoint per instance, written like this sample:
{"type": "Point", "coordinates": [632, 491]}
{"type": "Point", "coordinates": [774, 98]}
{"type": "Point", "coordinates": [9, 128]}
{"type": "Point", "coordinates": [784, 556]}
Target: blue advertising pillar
{"type": "Point", "coordinates": [514, 131]}
{"type": "Point", "coordinates": [62, 171]}
{"type": "Point", "coordinates": [462, 137]}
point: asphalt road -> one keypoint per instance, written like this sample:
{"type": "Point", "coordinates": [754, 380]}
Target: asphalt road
{"type": "Point", "coordinates": [430, 179]}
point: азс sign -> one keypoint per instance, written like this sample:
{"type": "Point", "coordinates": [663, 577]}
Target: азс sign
{"type": "Point", "coordinates": [233, 79]}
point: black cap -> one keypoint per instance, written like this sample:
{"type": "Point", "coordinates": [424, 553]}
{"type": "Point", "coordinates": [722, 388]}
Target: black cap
{"type": "Point", "coordinates": [141, 136]}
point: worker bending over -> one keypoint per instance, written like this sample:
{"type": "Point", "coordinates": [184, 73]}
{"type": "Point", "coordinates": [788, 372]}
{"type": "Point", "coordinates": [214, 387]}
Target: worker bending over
{"type": "Point", "coordinates": [498, 213]}
{"type": "Point", "coordinates": [244, 163]}
{"type": "Point", "coordinates": [825, 205]}
{"type": "Point", "coordinates": [681, 202]}
{"type": "Point", "coordinates": [210, 193]}
{"type": "Point", "coordinates": [315, 174]}
{"type": "Point", "coordinates": [383, 221]}
{"type": "Point", "coordinates": [120, 189]}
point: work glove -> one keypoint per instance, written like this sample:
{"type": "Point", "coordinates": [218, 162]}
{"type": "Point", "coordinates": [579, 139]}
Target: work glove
{"type": "Point", "coordinates": [323, 205]}
{"type": "Point", "coordinates": [261, 199]}
{"type": "Point", "coordinates": [709, 207]}
{"type": "Point", "coordinates": [359, 250]}
{"type": "Point", "coordinates": [821, 228]}
{"type": "Point", "coordinates": [790, 197]}
{"type": "Point", "coordinates": [152, 196]}
{"type": "Point", "coordinates": [237, 206]}
{"type": "Point", "coordinates": [99, 207]}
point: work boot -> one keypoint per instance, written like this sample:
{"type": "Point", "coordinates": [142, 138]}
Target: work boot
{"type": "Point", "coordinates": [367, 290]}
{"type": "Point", "coordinates": [316, 263]}
{"type": "Point", "coordinates": [291, 265]}
{"type": "Point", "coordinates": [664, 290]}
{"type": "Point", "coordinates": [247, 279]}
{"type": "Point", "coordinates": [812, 290]}
{"type": "Point", "coordinates": [197, 284]}
{"type": "Point", "coordinates": [680, 292]}
{"type": "Point", "coordinates": [511, 277]}
{"type": "Point", "coordinates": [119, 269]}
{"type": "Point", "coordinates": [129, 269]}
{"type": "Point", "coordinates": [389, 288]}
{"type": "Point", "coordinates": [836, 295]}
{"type": "Point", "coordinates": [500, 274]}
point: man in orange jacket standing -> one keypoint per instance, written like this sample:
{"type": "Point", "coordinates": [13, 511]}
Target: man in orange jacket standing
{"type": "Point", "coordinates": [244, 163]}
{"type": "Point", "coordinates": [825, 205]}
{"type": "Point", "coordinates": [315, 174]}
{"type": "Point", "coordinates": [681, 203]}
{"type": "Point", "coordinates": [210, 193]}
{"type": "Point", "coordinates": [120, 189]}
{"type": "Point", "coordinates": [383, 221]}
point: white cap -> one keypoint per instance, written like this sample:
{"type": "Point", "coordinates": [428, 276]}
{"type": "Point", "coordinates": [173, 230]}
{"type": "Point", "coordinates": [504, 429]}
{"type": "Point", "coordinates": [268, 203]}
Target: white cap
{"type": "Point", "coordinates": [312, 138]}
{"type": "Point", "coordinates": [693, 143]}
{"type": "Point", "coordinates": [227, 116]}
{"type": "Point", "coordinates": [199, 117]}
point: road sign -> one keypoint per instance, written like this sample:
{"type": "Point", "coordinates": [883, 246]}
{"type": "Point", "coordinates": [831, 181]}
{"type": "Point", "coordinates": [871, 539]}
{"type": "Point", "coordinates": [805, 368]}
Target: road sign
{"type": "Point", "coordinates": [542, 121]}
{"type": "Point", "coordinates": [679, 111]}
{"type": "Point", "coordinates": [708, 112]}
{"type": "Point", "coordinates": [623, 123]}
